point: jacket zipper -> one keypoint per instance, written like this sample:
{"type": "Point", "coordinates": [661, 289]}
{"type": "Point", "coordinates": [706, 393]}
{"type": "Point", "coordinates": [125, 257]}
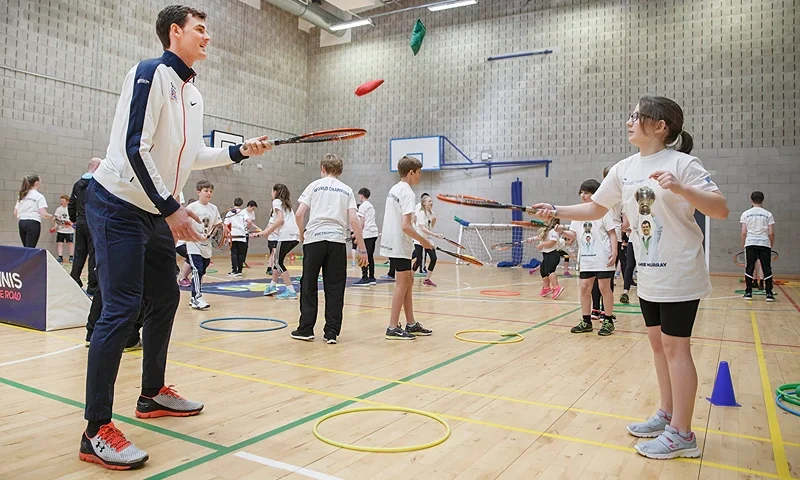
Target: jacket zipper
{"type": "Point", "coordinates": [183, 109]}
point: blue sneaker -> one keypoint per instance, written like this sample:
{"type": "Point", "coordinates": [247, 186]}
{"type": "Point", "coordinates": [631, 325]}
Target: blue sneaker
{"type": "Point", "coordinates": [270, 290]}
{"type": "Point", "coordinates": [387, 278]}
{"type": "Point", "coordinates": [287, 295]}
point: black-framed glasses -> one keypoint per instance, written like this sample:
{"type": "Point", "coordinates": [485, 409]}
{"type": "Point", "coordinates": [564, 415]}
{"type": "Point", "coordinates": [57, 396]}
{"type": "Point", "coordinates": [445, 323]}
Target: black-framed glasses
{"type": "Point", "coordinates": [635, 117]}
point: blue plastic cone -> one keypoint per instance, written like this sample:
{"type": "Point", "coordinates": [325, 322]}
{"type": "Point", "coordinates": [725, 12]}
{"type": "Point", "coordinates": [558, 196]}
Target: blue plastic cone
{"type": "Point", "coordinates": [723, 395]}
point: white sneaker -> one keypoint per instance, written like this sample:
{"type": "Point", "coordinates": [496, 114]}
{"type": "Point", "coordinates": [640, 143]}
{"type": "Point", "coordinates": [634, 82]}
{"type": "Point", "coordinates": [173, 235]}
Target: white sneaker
{"type": "Point", "coordinates": [199, 303]}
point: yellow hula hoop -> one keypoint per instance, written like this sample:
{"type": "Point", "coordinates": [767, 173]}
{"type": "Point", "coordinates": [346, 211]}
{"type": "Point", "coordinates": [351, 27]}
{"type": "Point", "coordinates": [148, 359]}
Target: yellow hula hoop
{"type": "Point", "coordinates": [518, 336]}
{"type": "Point", "coordinates": [382, 449]}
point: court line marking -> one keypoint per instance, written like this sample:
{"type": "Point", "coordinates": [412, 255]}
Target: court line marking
{"type": "Point", "coordinates": [789, 297]}
{"type": "Point", "coordinates": [778, 449]}
{"type": "Point", "coordinates": [321, 413]}
{"type": "Point", "coordinates": [285, 466]}
{"type": "Point", "coordinates": [752, 349]}
{"type": "Point", "coordinates": [49, 334]}
{"type": "Point", "coordinates": [227, 335]}
{"type": "Point", "coordinates": [121, 418]}
{"type": "Point", "coordinates": [569, 326]}
{"type": "Point", "coordinates": [362, 399]}
{"type": "Point", "coordinates": [40, 356]}
{"type": "Point", "coordinates": [463, 392]}
{"type": "Point", "coordinates": [221, 450]}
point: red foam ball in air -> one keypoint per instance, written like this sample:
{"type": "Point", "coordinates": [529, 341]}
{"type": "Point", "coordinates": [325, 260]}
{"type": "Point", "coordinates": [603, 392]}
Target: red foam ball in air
{"type": "Point", "coordinates": [366, 88]}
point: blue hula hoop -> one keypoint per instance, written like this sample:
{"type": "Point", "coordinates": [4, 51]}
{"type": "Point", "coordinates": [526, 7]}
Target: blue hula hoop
{"type": "Point", "coordinates": [281, 324]}
{"type": "Point", "coordinates": [784, 407]}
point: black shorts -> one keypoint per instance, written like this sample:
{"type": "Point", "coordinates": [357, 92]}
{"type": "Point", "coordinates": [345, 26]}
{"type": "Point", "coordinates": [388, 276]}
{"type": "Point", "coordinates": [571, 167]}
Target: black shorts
{"type": "Point", "coordinates": [564, 254]}
{"type": "Point", "coordinates": [272, 245]}
{"type": "Point", "coordinates": [550, 261]}
{"type": "Point", "coordinates": [676, 318]}
{"type": "Point", "coordinates": [181, 250]}
{"type": "Point", "coordinates": [599, 275]}
{"type": "Point", "coordinates": [65, 237]}
{"type": "Point", "coordinates": [400, 264]}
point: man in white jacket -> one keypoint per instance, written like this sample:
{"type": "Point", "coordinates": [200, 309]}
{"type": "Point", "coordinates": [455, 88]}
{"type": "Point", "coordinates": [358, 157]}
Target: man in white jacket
{"type": "Point", "coordinates": [134, 218]}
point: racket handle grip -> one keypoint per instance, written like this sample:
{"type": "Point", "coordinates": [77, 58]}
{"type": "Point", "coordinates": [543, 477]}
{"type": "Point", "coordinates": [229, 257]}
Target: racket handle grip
{"type": "Point", "coordinates": [461, 221]}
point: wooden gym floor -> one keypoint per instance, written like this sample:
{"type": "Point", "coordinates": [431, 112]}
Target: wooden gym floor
{"type": "Point", "coordinates": [552, 406]}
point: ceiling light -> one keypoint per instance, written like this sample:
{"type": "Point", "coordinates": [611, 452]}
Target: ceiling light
{"type": "Point", "coordinates": [355, 23]}
{"type": "Point", "coordinates": [456, 4]}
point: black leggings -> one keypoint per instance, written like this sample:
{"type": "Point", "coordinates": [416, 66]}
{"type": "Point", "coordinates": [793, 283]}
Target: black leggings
{"type": "Point", "coordinates": [238, 255]}
{"type": "Point", "coordinates": [284, 247]}
{"type": "Point", "coordinates": [420, 261]}
{"type": "Point", "coordinates": [629, 267]}
{"type": "Point", "coordinates": [368, 272]}
{"type": "Point", "coordinates": [764, 255]}
{"type": "Point", "coordinates": [29, 231]}
{"type": "Point", "coordinates": [597, 297]}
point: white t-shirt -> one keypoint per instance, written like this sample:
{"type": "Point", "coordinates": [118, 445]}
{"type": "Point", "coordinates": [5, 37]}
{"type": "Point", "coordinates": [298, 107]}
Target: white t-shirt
{"type": "Point", "coordinates": [757, 221]}
{"type": "Point", "coordinates": [594, 244]}
{"type": "Point", "coordinates": [616, 212]}
{"type": "Point", "coordinates": [62, 214]}
{"type": "Point", "coordinates": [552, 235]}
{"type": "Point", "coordinates": [666, 238]}
{"type": "Point", "coordinates": [251, 216]}
{"type": "Point", "coordinates": [394, 242]}
{"type": "Point", "coordinates": [288, 230]}
{"type": "Point", "coordinates": [28, 207]}
{"type": "Point", "coordinates": [422, 219]}
{"type": "Point", "coordinates": [367, 211]}
{"type": "Point", "coordinates": [328, 200]}
{"type": "Point", "coordinates": [209, 216]}
{"type": "Point", "coordinates": [237, 219]}
{"type": "Point", "coordinates": [273, 235]}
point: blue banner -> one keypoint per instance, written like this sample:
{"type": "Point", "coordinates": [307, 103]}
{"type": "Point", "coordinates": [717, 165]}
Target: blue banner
{"type": "Point", "coordinates": [23, 286]}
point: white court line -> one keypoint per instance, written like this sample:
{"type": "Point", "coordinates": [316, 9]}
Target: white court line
{"type": "Point", "coordinates": [722, 298]}
{"type": "Point", "coordinates": [40, 356]}
{"type": "Point", "coordinates": [285, 466]}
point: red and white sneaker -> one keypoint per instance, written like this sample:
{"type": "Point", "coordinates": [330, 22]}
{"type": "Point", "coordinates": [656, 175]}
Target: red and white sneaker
{"type": "Point", "coordinates": [166, 404]}
{"type": "Point", "coordinates": [557, 292]}
{"type": "Point", "coordinates": [545, 292]}
{"type": "Point", "coordinates": [110, 449]}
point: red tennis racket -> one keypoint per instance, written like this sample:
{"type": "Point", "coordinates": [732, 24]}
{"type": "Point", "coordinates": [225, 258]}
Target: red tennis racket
{"type": "Point", "coordinates": [467, 258]}
{"type": "Point", "coordinates": [334, 135]}
{"type": "Point", "coordinates": [454, 243]}
{"type": "Point", "coordinates": [471, 201]}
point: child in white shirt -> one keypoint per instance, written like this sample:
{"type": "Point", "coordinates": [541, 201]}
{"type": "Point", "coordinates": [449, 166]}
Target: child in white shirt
{"type": "Point", "coordinates": [366, 215]}
{"type": "Point", "coordinates": [285, 227]}
{"type": "Point", "coordinates": [237, 220]}
{"type": "Point", "coordinates": [397, 243]}
{"type": "Point", "coordinates": [758, 237]}
{"type": "Point", "coordinates": [199, 253]}
{"type": "Point", "coordinates": [662, 185]}
{"type": "Point", "coordinates": [63, 228]}
{"type": "Point", "coordinates": [332, 206]}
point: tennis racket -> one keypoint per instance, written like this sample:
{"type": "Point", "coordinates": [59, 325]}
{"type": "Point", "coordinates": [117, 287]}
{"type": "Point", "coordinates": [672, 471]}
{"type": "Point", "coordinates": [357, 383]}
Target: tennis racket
{"type": "Point", "coordinates": [220, 237]}
{"type": "Point", "coordinates": [467, 258]}
{"type": "Point", "coordinates": [453, 243]}
{"type": "Point", "coordinates": [501, 247]}
{"type": "Point", "coordinates": [740, 258]}
{"type": "Point", "coordinates": [478, 202]}
{"type": "Point", "coordinates": [528, 223]}
{"type": "Point", "coordinates": [334, 135]}
{"type": "Point", "coordinates": [60, 224]}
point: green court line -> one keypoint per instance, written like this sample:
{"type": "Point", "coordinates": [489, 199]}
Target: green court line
{"type": "Point", "coordinates": [121, 418]}
{"type": "Point", "coordinates": [246, 443]}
